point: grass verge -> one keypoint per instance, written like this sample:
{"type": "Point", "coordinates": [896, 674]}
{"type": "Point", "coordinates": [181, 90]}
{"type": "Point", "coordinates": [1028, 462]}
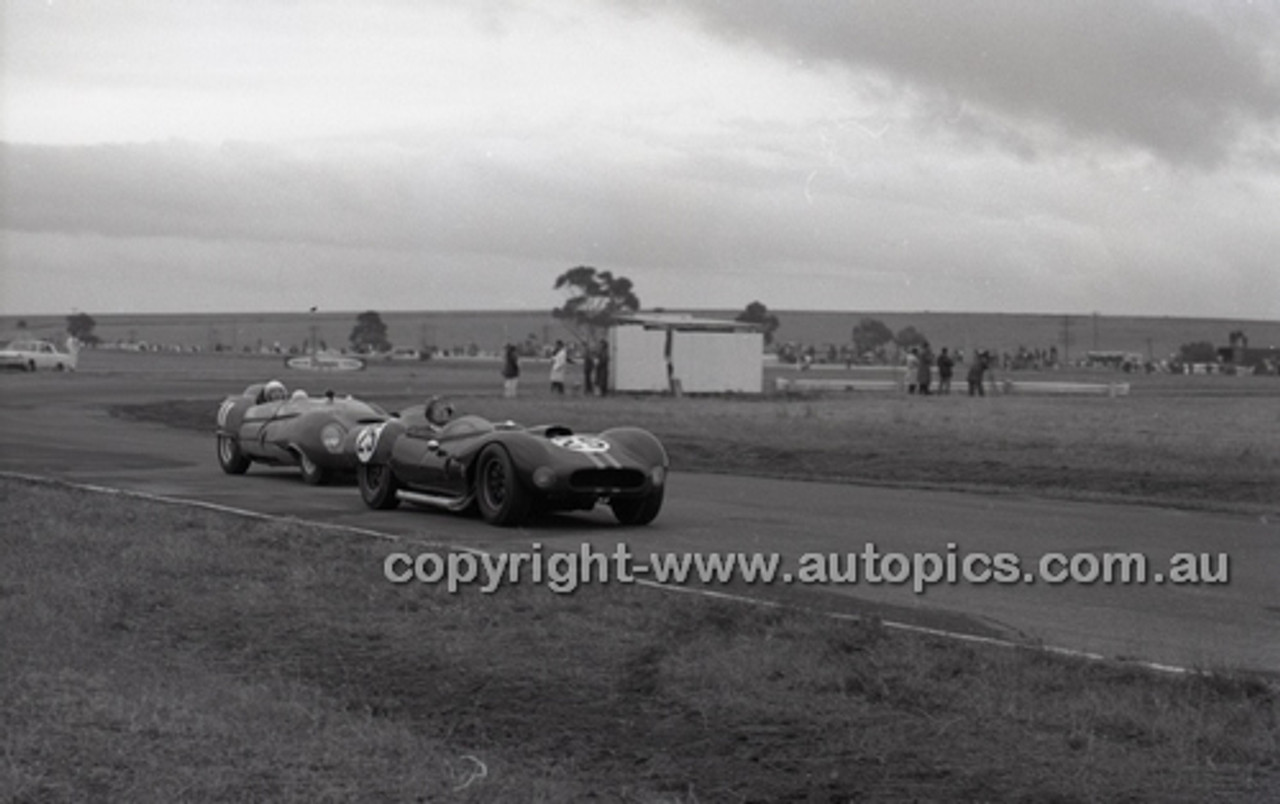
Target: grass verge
{"type": "Point", "coordinates": [160, 653]}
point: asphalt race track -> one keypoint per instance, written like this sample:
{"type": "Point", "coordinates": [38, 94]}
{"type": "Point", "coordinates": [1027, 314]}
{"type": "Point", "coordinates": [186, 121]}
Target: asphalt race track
{"type": "Point", "coordinates": [55, 425]}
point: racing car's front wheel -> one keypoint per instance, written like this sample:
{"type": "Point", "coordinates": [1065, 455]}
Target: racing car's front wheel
{"type": "Point", "coordinates": [230, 458]}
{"type": "Point", "coordinates": [312, 473]}
{"type": "Point", "coordinates": [500, 496]}
{"type": "Point", "coordinates": [378, 486]}
{"type": "Point", "coordinates": [637, 510]}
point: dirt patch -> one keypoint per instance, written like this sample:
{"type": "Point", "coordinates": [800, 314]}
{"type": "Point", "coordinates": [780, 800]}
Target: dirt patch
{"type": "Point", "coordinates": [200, 415]}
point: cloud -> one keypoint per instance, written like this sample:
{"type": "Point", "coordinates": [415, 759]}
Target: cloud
{"type": "Point", "coordinates": [1015, 156]}
{"type": "Point", "coordinates": [1183, 82]}
{"type": "Point", "coordinates": [872, 223]}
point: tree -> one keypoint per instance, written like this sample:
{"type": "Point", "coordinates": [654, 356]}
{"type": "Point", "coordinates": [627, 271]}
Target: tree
{"type": "Point", "coordinates": [370, 333]}
{"type": "Point", "coordinates": [870, 334]}
{"type": "Point", "coordinates": [757, 313]}
{"type": "Point", "coordinates": [910, 336]}
{"type": "Point", "coordinates": [80, 326]}
{"type": "Point", "coordinates": [595, 298]}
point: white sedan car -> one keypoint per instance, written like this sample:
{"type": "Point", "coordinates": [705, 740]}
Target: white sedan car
{"type": "Point", "coordinates": [32, 355]}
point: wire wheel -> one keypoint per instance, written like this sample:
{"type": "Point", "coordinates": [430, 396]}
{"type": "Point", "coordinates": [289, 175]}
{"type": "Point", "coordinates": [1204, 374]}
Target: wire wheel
{"type": "Point", "coordinates": [378, 485]}
{"type": "Point", "coordinates": [501, 497]}
{"type": "Point", "coordinates": [230, 458]}
{"type": "Point", "coordinates": [638, 510]}
{"type": "Point", "coordinates": [312, 473]}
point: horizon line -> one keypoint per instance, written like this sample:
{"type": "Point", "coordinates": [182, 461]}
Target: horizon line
{"type": "Point", "coordinates": [691, 309]}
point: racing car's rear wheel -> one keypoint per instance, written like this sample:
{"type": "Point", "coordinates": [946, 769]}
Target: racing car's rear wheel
{"type": "Point", "coordinates": [312, 473]}
{"type": "Point", "coordinates": [637, 510]}
{"type": "Point", "coordinates": [500, 496]}
{"type": "Point", "coordinates": [378, 485]}
{"type": "Point", "coordinates": [230, 458]}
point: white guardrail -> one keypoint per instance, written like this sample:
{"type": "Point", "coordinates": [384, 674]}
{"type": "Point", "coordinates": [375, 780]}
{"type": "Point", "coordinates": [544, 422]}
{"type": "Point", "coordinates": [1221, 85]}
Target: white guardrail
{"type": "Point", "coordinates": [997, 387]}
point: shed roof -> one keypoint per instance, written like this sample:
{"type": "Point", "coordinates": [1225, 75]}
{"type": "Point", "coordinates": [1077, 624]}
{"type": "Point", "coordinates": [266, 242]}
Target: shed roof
{"type": "Point", "coordinates": [684, 322]}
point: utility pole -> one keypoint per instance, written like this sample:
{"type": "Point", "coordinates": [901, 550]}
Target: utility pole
{"type": "Point", "coordinates": [1066, 339]}
{"type": "Point", "coordinates": [1095, 330]}
{"type": "Point", "coordinates": [315, 344]}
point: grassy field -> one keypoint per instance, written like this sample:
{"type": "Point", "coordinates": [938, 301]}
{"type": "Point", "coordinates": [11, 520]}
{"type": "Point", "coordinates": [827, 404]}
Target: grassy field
{"type": "Point", "coordinates": [161, 653]}
{"type": "Point", "coordinates": [1200, 441]}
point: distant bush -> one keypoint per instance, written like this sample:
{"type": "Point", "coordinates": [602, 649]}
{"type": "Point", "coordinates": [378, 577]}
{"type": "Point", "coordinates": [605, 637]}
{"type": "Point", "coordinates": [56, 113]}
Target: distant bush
{"type": "Point", "coordinates": [1198, 352]}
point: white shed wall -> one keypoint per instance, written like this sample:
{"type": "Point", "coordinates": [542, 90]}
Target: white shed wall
{"type": "Point", "coordinates": [716, 362]}
{"type": "Point", "coordinates": [637, 361]}
{"type": "Point", "coordinates": [704, 362]}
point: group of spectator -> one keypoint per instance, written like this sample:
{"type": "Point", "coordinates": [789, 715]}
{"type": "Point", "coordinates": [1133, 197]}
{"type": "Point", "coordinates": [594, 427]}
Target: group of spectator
{"type": "Point", "coordinates": [595, 369]}
{"type": "Point", "coordinates": [920, 363]}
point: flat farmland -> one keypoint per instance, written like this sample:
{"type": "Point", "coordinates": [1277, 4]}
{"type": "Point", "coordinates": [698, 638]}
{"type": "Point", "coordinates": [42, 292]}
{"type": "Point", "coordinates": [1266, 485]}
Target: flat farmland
{"type": "Point", "coordinates": [489, 329]}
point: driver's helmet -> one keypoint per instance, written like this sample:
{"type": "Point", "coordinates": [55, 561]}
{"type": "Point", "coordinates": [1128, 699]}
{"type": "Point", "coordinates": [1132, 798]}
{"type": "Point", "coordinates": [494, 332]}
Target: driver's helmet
{"type": "Point", "coordinates": [439, 411]}
{"type": "Point", "coordinates": [275, 391]}
{"type": "Point", "coordinates": [298, 394]}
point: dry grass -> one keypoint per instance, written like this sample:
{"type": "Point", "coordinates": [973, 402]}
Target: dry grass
{"type": "Point", "coordinates": [158, 653]}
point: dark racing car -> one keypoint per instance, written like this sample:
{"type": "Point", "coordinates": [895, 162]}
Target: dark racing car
{"type": "Point", "coordinates": [507, 471]}
{"type": "Point", "coordinates": [266, 425]}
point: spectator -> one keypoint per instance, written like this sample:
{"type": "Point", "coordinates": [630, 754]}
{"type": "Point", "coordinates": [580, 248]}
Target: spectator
{"type": "Point", "coordinates": [981, 363]}
{"type": "Point", "coordinates": [588, 369]}
{"type": "Point", "coordinates": [510, 372]}
{"type": "Point", "coordinates": [945, 367]}
{"type": "Point", "coordinates": [924, 374]}
{"type": "Point", "coordinates": [602, 367]}
{"type": "Point", "coordinates": [559, 366]}
{"type": "Point", "coordinates": [913, 369]}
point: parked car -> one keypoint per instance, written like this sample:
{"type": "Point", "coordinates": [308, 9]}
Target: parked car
{"type": "Point", "coordinates": [402, 353]}
{"type": "Point", "coordinates": [507, 471]}
{"type": "Point", "coordinates": [32, 355]}
{"type": "Point", "coordinates": [266, 425]}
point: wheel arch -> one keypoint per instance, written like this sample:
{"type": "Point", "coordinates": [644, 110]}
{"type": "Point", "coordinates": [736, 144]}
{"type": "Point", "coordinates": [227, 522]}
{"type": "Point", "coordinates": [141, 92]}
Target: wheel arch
{"type": "Point", "coordinates": [527, 452]}
{"type": "Point", "coordinates": [387, 434]}
{"type": "Point", "coordinates": [230, 415]}
{"type": "Point", "coordinates": [639, 442]}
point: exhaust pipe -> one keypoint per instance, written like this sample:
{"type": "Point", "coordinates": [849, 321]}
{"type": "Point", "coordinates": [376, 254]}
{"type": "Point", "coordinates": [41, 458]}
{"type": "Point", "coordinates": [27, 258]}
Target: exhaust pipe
{"type": "Point", "coordinates": [434, 500]}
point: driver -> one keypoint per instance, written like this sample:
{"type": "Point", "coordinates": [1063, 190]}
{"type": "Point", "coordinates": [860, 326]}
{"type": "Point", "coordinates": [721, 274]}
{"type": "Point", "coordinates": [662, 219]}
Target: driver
{"type": "Point", "coordinates": [438, 411]}
{"type": "Point", "coordinates": [275, 391]}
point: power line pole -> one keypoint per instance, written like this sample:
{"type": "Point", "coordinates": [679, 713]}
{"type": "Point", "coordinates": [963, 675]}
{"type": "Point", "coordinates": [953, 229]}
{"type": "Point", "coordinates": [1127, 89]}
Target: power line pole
{"type": "Point", "coordinates": [1066, 339]}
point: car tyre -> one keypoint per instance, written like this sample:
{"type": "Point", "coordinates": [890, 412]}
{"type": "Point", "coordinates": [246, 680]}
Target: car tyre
{"type": "Point", "coordinates": [378, 486]}
{"type": "Point", "coordinates": [637, 510]}
{"type": "Point", "coordinates": [312, 473]}
{"type": "Point", "coordinates": [500, 496]}
{"type": "Point", "coordinates": [230, 458]}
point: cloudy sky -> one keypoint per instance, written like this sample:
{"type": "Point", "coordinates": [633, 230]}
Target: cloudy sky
{"type": "Point", "coordinates": [993, 155]}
